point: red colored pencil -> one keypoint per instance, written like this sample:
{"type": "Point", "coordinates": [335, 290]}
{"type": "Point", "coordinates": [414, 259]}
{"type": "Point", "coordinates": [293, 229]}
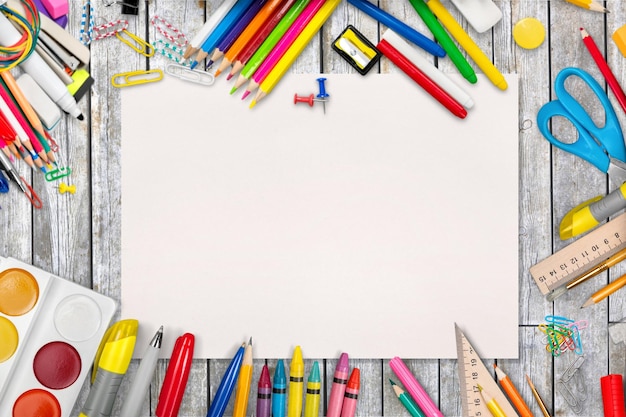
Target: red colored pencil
{"type": "Point", "coordinates": [420, 78]}
{"type": "Point", "coordinates": [604, 68]}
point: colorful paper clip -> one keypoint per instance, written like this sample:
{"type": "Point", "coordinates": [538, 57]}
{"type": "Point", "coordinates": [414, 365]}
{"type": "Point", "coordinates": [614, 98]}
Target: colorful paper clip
{"type": "Point", "coordinates": [563, 334]}
{"type": "Point", "coordinates": [109, 29]}
{"type": "Point", "coordinates": [58, 173]}
{"type": "Point", "coordinates": [170, 51]}
{"type": "Point", "coordinates": [135, 42]}
{"type": "Point", "coordinates": [87, 24]}
{"type": "Point", "coordinates": [186, 74]}
{"type": "Point", "coordinates": [126, 79]}
{"type": "Point", "coordinates": [31, 195]}
{"type": "Point", "coordinates": [169, 31]}
{"type": "Point", "coordinates": [64, 188]}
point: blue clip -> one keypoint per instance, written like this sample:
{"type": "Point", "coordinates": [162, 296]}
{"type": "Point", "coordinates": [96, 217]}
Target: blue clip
{"type": "Point", "coordinates": [58, 173]}
{"type": "Point", "coordinates": [4, 183]}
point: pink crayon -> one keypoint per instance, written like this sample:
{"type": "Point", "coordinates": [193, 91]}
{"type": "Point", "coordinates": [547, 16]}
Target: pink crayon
{"type": "Point", "coordinates": [338, 389]}
{"type": "Point", "coordinates": [414, 388]}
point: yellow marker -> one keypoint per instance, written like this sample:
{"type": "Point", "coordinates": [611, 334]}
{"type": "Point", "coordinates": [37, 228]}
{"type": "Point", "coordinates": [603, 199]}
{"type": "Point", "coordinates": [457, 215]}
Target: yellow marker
{"type": "Point", "coordinates": [295, 49]}
{"type": "Point", "coordinates": [464, 40]}
{"type": "Point", "coordinates": [111, 363]}
{"type": "Point", "coordinates": [296, 384]}
{"type": "Point", "coordinates": [243, 383]}
{"type": "Point", "coordinates": [492, 404]}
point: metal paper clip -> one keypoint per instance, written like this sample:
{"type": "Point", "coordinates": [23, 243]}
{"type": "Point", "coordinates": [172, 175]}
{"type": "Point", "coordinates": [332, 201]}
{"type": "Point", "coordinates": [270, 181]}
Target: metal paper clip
{"type": "Point", "coordinates": [169, 31]}
{"type": "Point", "coordinates": [135, 42]}
{"type": "Point", "coordinates": [106, 30]}
{"type": "Point", "coordinates": [186, 74]}
{"type": "Point", "coordinates": [58, 173]}
{"type": "Point", "coordinates": [568, 385]}
{"type": "Point", "coordinates": [136, 77]}
{"type": "Point", "coordinates": [172, 52]}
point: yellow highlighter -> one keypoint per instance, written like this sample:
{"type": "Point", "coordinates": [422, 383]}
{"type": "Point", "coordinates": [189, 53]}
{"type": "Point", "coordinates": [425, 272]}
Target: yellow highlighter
{"type": "Point", "coordinates": [111, 363]}
{"type": "Point", "coordinates": [589, 214]}
{"type": "Point", "coordinates": [466, 42]}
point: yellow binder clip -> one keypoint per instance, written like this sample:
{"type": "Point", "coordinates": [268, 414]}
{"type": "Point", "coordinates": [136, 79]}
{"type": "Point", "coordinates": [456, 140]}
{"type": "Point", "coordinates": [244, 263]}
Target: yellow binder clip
{"type": "Point", "coordinates": [135, 42]}
{"type": "Point", "coordinates": [126, 79]}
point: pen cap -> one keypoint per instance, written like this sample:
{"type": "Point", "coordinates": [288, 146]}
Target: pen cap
{"type": "Point", "coordinates": [176, 377]}
{"type": "Point", "coordinates": [612, 395]}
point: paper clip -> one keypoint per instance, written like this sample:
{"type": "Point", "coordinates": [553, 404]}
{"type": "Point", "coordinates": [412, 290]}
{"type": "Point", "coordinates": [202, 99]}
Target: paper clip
{"type": "Point", "coordinates": [106, 30]}
{"type": "Point", "coordinates": [573, 397]}
{"type": "Point", "coordinates": [135, 42]}
{"type": "Point", "coordinates": [172, 52]}
{"type": "Point", "coordinates": [58, 173]}
{"type": "Point", "coordinates": [87, 23]}
{"type": "Point", "coordinates": [136, 77]}
{"type": "Point", "coordinates": [169, 31]}
{"type": "Point", "coordinates": [31, 195]}
{"type": "Point", "coordinates": [54, 146]}
{"type": "Point", "coordinates": [186, 74]}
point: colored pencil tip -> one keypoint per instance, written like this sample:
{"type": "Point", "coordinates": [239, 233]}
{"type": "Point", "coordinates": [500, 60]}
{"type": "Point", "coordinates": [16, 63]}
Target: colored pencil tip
{"type": "Point", "coordinates": [245, 94]}
{"type": "Point", "coordinates": [253, 103]}
{"type": "Point", "coordinates": [229, 76]}
{"type": "Point", "coordinates": [193, 65]}
{"type": "Point", "coordinates": [392, 383]}
{"type": "Point", "coordinates": [81, 117]}
{"type": "Point", "coordinates": [208, 64]}
{"type": "Point", "coordinates": [232, 90]}
{"type": "Point", "coordinates": [217, 73]}
{"type": "Point", "coordinates": [479, 387]}
{"type": "Point", "coordinates": [43, 169]}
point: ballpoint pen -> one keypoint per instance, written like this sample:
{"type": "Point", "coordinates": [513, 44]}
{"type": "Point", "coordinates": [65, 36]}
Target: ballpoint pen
{"type": "Point", "coordinates": [296, 384]}
{"type": "Point", "coordinates": [176, 377]}
{"type": "Point", "coordinates": [225, 389]}
{"type": "Point", "coordinates": [111, 364]}
{"type": "Point", "coordinates": [141, 382]}
{"type": "Point", "coordinates": [243, 383]}
{"type": "Point", "coordinates": [313, 392]}
{"type": "Point", "coordinates": [279, 390]}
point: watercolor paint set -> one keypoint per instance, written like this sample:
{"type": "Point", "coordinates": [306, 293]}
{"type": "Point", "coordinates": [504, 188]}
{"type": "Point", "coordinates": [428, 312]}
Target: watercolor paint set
{"type": "Point", "coordinates": [50, 330]}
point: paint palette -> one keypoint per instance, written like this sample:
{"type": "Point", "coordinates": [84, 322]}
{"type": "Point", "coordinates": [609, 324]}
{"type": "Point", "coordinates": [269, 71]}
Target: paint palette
{"type": "Point", "coordinates": [50, 329]}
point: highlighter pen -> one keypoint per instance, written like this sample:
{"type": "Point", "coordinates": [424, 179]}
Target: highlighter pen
{"type": "Point", "coordinates": [398, 26]}
{"type": "Point", "coordinates": [279, 390]}
{"type": "Point", "coordinates": [351, 396]}
{"type": "Point", "coordinates": [466, 42]}
{"type": "Point", "coordinates": [492, 404]}
{"type": "Point", "coordinates": [445, 41]}
{"type": "Point", "coordinates": [407, 401]}
{"type": "Point", "coordinates": [417, 392]}
{"type": "Point", "coordinates": [589, 214]}
{"type": "Point", "coordinates": [313, 392]}
{"type": "Point", "coordinates": [112, 360]}
{"type": "Point", "coordinates": [141, 382]}
{"type": "Point", "coordinates": [35, 66]}
{"type": "Point", "coordinates": [338, 388]}
{"type": "Point", "coordinates": [296, 384]}
{"type": "Point", "coordinates": [176, 377]}
{"type": "Point", "coordinates": [243, 383]}
{"type": "Point", "coordinates": [225, 389]}
{"type": "Point", "coordinates": [264, 394]}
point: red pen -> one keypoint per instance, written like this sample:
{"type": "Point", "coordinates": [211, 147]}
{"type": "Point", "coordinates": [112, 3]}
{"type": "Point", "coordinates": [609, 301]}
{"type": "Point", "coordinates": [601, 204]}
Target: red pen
{"type": "Point", "coordinates": [348, 409]}
{"type": "Point", "coordinates": [176, 376]}
{"type": "Point", "coordinates": [420, 78]}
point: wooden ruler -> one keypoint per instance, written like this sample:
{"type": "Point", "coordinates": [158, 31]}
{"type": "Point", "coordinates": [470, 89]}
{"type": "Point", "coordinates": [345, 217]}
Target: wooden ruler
{"type": "Point", "coordinates": [472, 372]}
{"type": "Point", "coordinates": [580, 256]}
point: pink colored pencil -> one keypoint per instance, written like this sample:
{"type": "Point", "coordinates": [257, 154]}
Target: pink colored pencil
{"type": "Point", "coordinates": [283, 44]}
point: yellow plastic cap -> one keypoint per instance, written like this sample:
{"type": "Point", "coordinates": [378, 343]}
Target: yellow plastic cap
{"type": "Point", "coordinates": [529, 33]}
{"type": "Point", "coordinates": [619, 37]}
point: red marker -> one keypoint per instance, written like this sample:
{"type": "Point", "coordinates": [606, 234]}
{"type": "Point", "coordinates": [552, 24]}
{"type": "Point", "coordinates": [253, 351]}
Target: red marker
{"type": "Point", "coordinates": [432, 88]}
{"type": "Point", "coordinates": [352, 394]}
{"type": "Point", "coordinates": [176, 377]}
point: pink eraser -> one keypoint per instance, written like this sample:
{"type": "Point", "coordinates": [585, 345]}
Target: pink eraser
{"type": "Point", "coordinates": [56, 8]}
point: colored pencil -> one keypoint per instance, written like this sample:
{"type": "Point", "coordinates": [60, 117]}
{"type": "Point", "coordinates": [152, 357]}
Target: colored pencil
{"type": "Point", "coordinates": [197, 41]}
{"type": "Point", "coordinates": [491, 402]}
{"type": "Point", "coordinates": [266, 47]}
{"type": "Point", "coordinates": [283, 45]}
{"type": "Point", "coordinates": [512, 393]}
{"type": "Point", "coordinates": [295, 50]}
{"type": "Point", "coordinates": [407, 401]}
{"type": "Point", "coordinates": [604, 292]}
{"type": "Point", "coordinates": [243, 383]}
{"type": "Point", "coordinates": [542, 405]}
{"type": "Point", "coordinates": [592, 5]}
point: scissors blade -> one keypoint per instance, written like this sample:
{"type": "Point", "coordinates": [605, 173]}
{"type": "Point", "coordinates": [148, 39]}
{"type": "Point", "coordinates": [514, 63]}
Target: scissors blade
{"type": "Point", "coordinates": [617, 172]}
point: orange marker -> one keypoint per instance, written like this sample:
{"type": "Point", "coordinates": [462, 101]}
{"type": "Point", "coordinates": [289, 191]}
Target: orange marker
{"type": "Point", "coordinates": [513, 393]}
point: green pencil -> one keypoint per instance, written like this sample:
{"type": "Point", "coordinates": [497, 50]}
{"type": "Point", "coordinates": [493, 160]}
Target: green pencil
{"type": "Point", "coordinates": [407, 401]}
{"type": "Point", "coordinates": [444, 39]}
{"type": "Point", "coordinates": [266, 47]}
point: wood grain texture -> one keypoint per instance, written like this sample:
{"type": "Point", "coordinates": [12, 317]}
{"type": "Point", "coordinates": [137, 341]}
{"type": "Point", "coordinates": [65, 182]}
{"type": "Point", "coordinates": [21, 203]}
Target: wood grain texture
{"type": "Point", "coordinates": [78, 236]}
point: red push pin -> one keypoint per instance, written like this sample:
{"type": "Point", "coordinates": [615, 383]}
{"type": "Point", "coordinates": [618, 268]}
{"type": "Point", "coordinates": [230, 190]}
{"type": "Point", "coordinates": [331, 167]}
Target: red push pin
{"type": "Point", "coordinates": [303, 99]}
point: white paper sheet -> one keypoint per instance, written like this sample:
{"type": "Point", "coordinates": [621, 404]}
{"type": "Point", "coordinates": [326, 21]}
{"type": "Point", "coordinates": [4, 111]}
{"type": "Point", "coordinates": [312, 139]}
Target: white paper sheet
{"type": "Point", "coordinates": [369, 230]}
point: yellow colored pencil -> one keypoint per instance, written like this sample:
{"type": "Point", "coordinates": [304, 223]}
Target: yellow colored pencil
{"type": "Point", "coordinates": [467, 43]}
{"type": "Point", "coordinates": [243, 383]}
{"type": "Point", "coordinates": [589, 5]}
{"type": "Point", "coordinates": [295, 50]}
{"type": "Point", "coordinates": [604, 292]}
{"type": "Point", "coordinates": [492, 404]}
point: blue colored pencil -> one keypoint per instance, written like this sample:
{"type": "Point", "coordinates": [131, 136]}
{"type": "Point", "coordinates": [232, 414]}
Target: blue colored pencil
{"type": "Point", "coordinates": [227, 385]}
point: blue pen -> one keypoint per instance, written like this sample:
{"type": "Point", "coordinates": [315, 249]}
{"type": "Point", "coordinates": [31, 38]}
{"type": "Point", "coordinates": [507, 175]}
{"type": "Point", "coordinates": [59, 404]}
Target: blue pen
{"type": "Point", "coordinates": [220, 401]}
{"type": "Point", "coordinates": [230, 20]}
{"type": "Point", "coordinates": [399, 27]}
{"type": "Point", "coordinates": [279, 390]}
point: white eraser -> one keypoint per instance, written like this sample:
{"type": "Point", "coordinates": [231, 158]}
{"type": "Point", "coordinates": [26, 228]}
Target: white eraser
{"type": "Point", "coordinates": [481, 14]}
{"type": "Point", "coordinates": [48, 112]}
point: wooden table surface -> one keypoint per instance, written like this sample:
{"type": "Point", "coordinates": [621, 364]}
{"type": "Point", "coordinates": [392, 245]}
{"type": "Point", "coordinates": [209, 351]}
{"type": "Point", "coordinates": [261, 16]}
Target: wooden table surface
{"type": "Point", "coordinates": [78, 236]}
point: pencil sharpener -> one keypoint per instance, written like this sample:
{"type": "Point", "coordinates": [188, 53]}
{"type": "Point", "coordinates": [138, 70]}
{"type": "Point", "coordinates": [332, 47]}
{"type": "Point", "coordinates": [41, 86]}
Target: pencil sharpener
{"type": "Point", "coordinates": [355, 48]}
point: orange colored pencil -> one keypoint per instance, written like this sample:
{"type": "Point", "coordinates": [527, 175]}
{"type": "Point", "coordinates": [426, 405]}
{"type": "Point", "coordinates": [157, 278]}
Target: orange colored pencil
{"type": "Point", "coordinates": [253, 27]}
{"type": "Point", "coordinates": [24, 104]}
{"type": "Point", "coordinates": [512, 393]}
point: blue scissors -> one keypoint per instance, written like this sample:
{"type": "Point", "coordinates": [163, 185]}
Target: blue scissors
{"type": "Point", "coordinates": [601, 146]}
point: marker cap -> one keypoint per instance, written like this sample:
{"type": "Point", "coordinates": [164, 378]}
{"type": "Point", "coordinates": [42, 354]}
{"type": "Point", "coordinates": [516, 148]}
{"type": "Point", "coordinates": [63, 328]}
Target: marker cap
{"type": "Point", "coordinates": [612, 395]}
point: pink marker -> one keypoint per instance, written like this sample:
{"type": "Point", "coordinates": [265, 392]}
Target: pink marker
{"type": "Point", "coordinates": [414, 388]}
{"type": "Point", "coordinates": [338, 389]}
{"type": "Point", "coordinates": [283, 44]}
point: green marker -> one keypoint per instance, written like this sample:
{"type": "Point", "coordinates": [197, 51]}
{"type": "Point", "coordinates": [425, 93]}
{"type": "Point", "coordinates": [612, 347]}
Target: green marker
{"type": "Point", "coordinates": [266, 47]}
{"type": "Point", "coordinates": [444, 39]}
{"type": "Point", "coordinates": [407, 401]}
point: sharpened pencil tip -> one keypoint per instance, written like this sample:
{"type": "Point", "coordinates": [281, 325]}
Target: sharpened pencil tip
{"type": "Point", "coordinates": [217, 73]}
{"type": "Point", "coordinates": [253, 103]}
{"type": "Point", "coordinates": [193, 65]}
{"type": "Point", "coordinates": [245, 94]}
{"type": "Point", "coordinates": [232, 90]}
{"type": "Point", "coordinates": [392, 383]}
{"type": "Point", "coordinates": [80, 117]}
{"type": "Point", "coordinates": [229, 76]}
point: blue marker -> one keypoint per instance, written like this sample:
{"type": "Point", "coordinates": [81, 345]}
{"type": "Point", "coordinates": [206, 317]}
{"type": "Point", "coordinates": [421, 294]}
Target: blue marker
{"type": "Point", "coordinates": [279, 390]}
{"type": "Point", "coordinates": [220, 401]}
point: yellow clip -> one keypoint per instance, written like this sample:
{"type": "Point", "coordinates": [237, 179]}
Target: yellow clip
{"type": "Point", "coordinates": [135, 42]}
{"type": "Point", "coordinates": [136, 77]}
{"type": "Point", "coordinates": [63, 188]}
